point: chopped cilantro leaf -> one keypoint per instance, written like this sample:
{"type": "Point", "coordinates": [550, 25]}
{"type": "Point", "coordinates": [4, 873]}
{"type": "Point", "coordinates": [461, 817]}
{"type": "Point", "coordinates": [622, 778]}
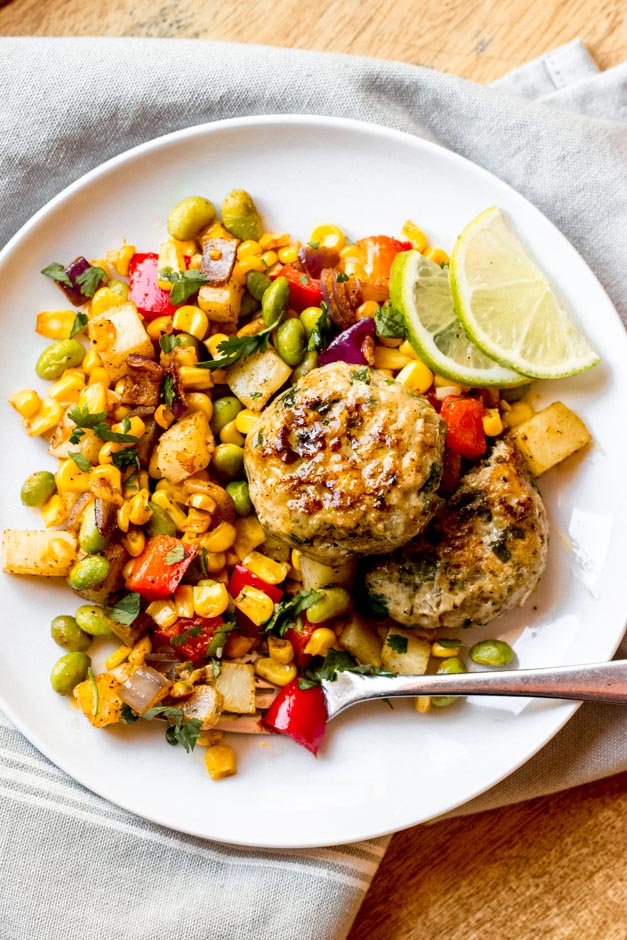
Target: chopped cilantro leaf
{"type": "Point", "coordinates": [286, 611]}
{"type": "Point", "coordinates": [176, 554]}
{"type": "Point", "coordinates": [122, 459]}
{"type": "Point", "coordinates": [96, 422]}
{"type": "Point", "coordinates": [126, 609]}
{"type": "Point", "coordinates": [127, 715]}
{"type": "Point", "coordinates": [341, 277]}
{"type": "Point", "coordinates": [183, 637]}
{"type": "Point", "coordinates": [80, 460]}
{"type": "Point", "coordinates": [184, 283]}
{"type": "Point", "coordinates": [335, 661]}
{"type": "Point", "coordinates": [397, 643]}
{"type": "Point", "coordinates": [57, 272]}
{"type": "Point", "coordinates": [181, 732]}
{"type": "Point", "coordinates": [80, 322]}
{"type": "Point", "coordinates": [238, 347]}
{"type": "Point", "coordinates": [168, 391]}
{"type": "Point", "coordinates": [361, 375]}
{"type": "Point", "coordinates": [90, 279]}
{"type": "Point", "coordinates": [389, 323]}
{"type": "Point", "coordinates": [168, 343]}
{"type": "Point", "coordinates": [314, 244]}
{"type": "Point", "coordinates": [322, 332]}
{"type": "Point", "coordinates": [303, 280]}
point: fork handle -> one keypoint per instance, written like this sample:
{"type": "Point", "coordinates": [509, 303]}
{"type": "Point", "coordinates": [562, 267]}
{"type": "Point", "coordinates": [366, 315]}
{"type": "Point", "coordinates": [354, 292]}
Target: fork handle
{"type": "Point", "coordinates": [596, 682]}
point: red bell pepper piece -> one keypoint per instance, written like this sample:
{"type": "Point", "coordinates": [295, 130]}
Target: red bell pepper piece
{"type": "Point", "coordinates": [150, 299]}
{"type": "Point", "coordinates": [299, 713]}
{"type": "Point", "coordinates": [153, 575]}
{"type": "Point", "coordinates": [200, 632]}
{"type": "Point", "coordinates": [464, 419]}
{"type": "Point", "coordinates": [379, 253]}
{"type": "Point", "coordinates": [299, 638]}
{"type": "Point", "coordinates": [304, 290]}
{"type": "Point", "coordinates": [242, 577]}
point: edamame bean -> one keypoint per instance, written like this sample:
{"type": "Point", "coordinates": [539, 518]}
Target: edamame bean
{"type": "Point", "coordinates": [225, 410]}
{"type": "Point", "coordinates": [491, 653]}
{"type": "Point", "coordinates": [89, 538]}
{"type": "Point", "coordinates": [189, 216]}
{"type": "Point", "coordinates": [119, 287]}
{"type": "Point", "coordinates": [59, 356]}
{"type": "Point", "coordinates": [291, 341]}
{"type": "Point", "coordinates": [240, 216]}
{"type": "Point", "coordinates": [309, 362]}
{"type": "Point", "coordinates": [448, 666]}
{"type": "Point", "coordinates": [309, 317]}
{"type": "Point", "coordinates": [257, 283]}
{"type": "Point", "coordinates": [228, 460]}
{"type": "Point", "coordinates": [38, 488]}
{"type": "Point", "coordinates": [89, 572]}
{"type": "Point", "coordinates": [334, 602]}
{"type": "Point", "coordinates": [66, 632]}
{"type": "Point", "coordinates": [238, 491]}
{"type": "Point", "coordinates": [159, 523]}
{"type": "Point", "coordinates": [248, 306]}
{"type": "Point", "coordinates": [93, 620]}
{"type": "Point", "coordinates": [68, 671]}
{"type": "Point", "coordinates": [276, 302]}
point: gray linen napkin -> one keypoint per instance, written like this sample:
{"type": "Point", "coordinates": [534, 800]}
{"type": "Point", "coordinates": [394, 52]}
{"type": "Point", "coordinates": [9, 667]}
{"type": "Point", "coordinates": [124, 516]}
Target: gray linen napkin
{"type": "Point", "coordinates": [69, 104]}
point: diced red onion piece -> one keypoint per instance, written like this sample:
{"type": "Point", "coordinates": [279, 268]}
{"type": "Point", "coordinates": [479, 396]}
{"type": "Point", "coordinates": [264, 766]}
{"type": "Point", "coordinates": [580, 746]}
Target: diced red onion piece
{"type": "Point", "coordinates": [349, 345]}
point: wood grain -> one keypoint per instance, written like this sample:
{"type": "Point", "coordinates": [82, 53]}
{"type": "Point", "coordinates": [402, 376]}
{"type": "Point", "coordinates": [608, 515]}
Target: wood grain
{"type": "Point", "coordinates": [553, 868]}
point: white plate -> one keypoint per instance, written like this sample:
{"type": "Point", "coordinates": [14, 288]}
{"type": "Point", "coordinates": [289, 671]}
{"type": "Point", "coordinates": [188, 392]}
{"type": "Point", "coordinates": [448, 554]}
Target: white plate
{"type": "Point", "coordinates": [379, 770]}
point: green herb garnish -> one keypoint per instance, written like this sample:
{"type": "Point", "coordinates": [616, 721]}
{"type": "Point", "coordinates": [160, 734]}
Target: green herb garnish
{"type": "Point", "coordinates": [127, 715]}
{"type": "Point", "coordinates": [341, 277]}
{"type": "Point", "coordinates": [126, 609]}
{"type": "Point", "coordinates": [336, 661]}
{"type": "Point", "coordinates": [184, 283]}
{"type": "Point", "coordinates": [80, 460]}
{"type": "Point", "coordinates": [90, 279]}
{"type": "Point", "coordinates": [57, 272]}
{"type": "Point", "coordinates": [168, 343]}
{"type": "Point", "coordinates": [97, 423]}
{"type": "Point", "coordinates": [80, 322]}
{"type": "Point", "coordinates": [390, 323]}
{"type": "Point", "coordinates": [181, 732]}
{"type": "Point", "coordinates": [397, 643]}
{"type": "Point", "coordinates": [176, 554]}
{"type": "Point", "coordinates": [122, 459]}
{"type": "Point", "coordinates": [287, 611]}
{"type": "Point", "coordinates": [183, 637]}
{"type": "Point", "coordinates": [322, 333]}
{"type": "Point", "coordinates": [238, 347]}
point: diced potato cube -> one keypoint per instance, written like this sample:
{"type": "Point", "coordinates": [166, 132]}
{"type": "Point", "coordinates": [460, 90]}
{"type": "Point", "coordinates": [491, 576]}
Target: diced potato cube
{"type": "Point", "coordinates": [47, 554]}
{"type": "Point", "coordinates": [550, 436]}
{"type": "Point", "coordinates": [185, 447]}
{"type": "Point", "coordinates": [255, 379]}
{"type": "Point", "coordinates": [108, 707]}
{"type": "Point", "coordinates": [236, 684]}
{"type": "Point", "coordinates": [362, 641]}
{"type": "Point", "coordinates": [116, 333]}
{"type": "Point", "coordinates": [405, 652]}
{"type": "Point", "coordinates": [89, 444]}
{"type": "Point", "coordinates": [205, 704]}
{"type": "Point", "coordinates": [222, 304]}
{"type": "Point", "coordinates": [316, 575]}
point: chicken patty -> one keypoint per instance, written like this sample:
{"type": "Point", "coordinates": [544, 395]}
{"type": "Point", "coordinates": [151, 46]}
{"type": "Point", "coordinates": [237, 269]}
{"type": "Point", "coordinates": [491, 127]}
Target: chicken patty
{"type": "Point", "coordinates": [481, 556]}
{"type": "Point", "coordinates": [346, 462]}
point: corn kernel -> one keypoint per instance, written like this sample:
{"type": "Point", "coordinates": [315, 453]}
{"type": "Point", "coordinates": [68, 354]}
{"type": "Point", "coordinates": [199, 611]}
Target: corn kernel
{"type": "Point", "coordinates": [210, 600]}
{"type": "Point", "coordinates": [181, 690]}
{"type": "Point", "coordinates": [27, 402]}
{"type": "Point", "coordinates": [178, 517]}
{"type": "Point", "coordinates": [288, 255]}
{"type": "Point", "coordinates": [385, 358]}
{"type": "Point", "coordinates": [123, 259]}
{"type": "Point", "coordinates": [134, 542]}
{"type": "Point", "coordinates": [441, 381]}
{"type": "Point", "coordinates": [53, 511]}
{"type": "Point", "coordinates": [280, 649]}
{"type": "Point", "coordinates": [199, 401]}
{"type": "Point", "coordinates": [55, 324]}
{"type": "Point", "coordinates": [445, 652]}
{"type": "Point", "coordinates": [164, 417]}
{"type": "Point", "coordinates": [123, 516]}
{"type": "Point", "coordinates": [135, 426]}
{"type": "Point", "coordinates": [320, 642]}
{"type": "Point", "coordinates": [117, 657]}
{"type": "Point", "coordinates": [221, 538]}
{"type": "Point", "coordinates": [94, 398]}
{"type": "Point", "coordinates": [295, 558]}
{"type": "Point", "coordinates": [249, 247]}
{"type": "Point", "coordinates": [437, 255]}
{"type": "Point", "coordinates": [367, 309]}
{"type": "Point", "coordinates": [127, 570]}
{"type": "Point", "coordinates": [106, 483]}
{"type": "Point", "coordinates": [250, 535]}
{"type": "Point", "coordinates": [92, 360]}
{"type": "Point", "coordinates": [99, 375]}
{"type": "Point", "coordinates": [193, 377]}
{"type": "Point", "coordinates": [492, 423]}
{"type": "Point", "coordinates": [184, 600]}
{"type": "Point", "coordinates": [70, 478]}
{"type": "Point", "coordinates": [269, 258]}
{"type": "Point", "coordinates": [269, 570]}
{"type": "Point", "coordinates": [416, 376]}
{"type": "Point", "coordinates": [201, 501]}
{"type": "Point", "coordinates": [408, 350]}
{"type": "Point", "coordinates": [220, 761]}
{"type": "Point", "coordinates": [140, 511]}
{"type": "Point", "coordinates": [170, 256]}
{"type": "Point", "coordinates": [423, 704]}
{"type": "Point", "coordinates": [107, 450]}
{"type": "Point", "coordinates": [197, 522]}
{"type": "Point", "coordinates": [278, 673]}
{"type": "Point", "coordinates": [230, 435]}
{"type": "Point", "coordinates": [248, 263]}
{"type": "Point", "coordinates": [140, 651]}
{"type": "Point", "coordinates": [45, 419]}
{"type": "Point", "coordinates": [163, 613]}
{"type": "Point", "coordinates": [274, 240]}
{"type": "Point", "coordinates": [192, 320]}
{"type": "Point", "coordinates": [213, 342]}
{"type": "Point", "coordinates": [390, 342]}
{"type": "Point", "coordinates": [255, 604]}
{"type": "Point", "coordinates": [104, 299]}
{"type": "Point", "coordinates": [520, 411]}
{"type": "Point", "coordinates": [160, 326]}
{"type": "Point", "coordinates": [210, 738]}
{"type": "Point", "coordinates": [328, 235]}
{"type": "Point", "coordinates": [255, 326]}
{"type": "Point", "coordinates": [355, 269]}
{"type": "Point", "coordinates": [68, 387]}
{"type": "Point", "coordinates": [58, 552]}
{"type": "Point", "coordinates": [415, 235]}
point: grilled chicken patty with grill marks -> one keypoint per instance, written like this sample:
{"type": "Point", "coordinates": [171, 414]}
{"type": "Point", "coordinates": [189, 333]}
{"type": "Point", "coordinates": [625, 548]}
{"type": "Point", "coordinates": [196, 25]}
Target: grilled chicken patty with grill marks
{"type": "Point", "coordinates": [481, 556]}
{"type": "Point", "coordinates": [346, 462]}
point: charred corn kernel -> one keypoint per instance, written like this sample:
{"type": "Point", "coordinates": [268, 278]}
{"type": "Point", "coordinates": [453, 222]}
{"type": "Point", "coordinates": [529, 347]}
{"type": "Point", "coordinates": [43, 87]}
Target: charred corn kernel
{"type": "Point", "coordinates": [198, 401]}
{"type": "Point", "coordinates": [68, 387]}
{"type": "Point", "coordinates": [255, 326]}
{"type": "Point", "coordinates": [442, 651]}
{"type": "Point", "coordinates": [288, 255]}
{"type": "Point", "coordinates": [328, 235]}
{"type": "Point", "coordinates": [220, 761]}
{"type": "Point", "coordinates": [423, 704]}
{"type": "Point", "coordinates": [55, 324]}
{"type": "Point", "coordinates": [99, 375]}
{"type": "Point", "coordinates": [520, 411]}
{"type": "Point", "coordinates": [71, 479]}
{"type": "Point", "coordinates": [221, 538]}
{"type": "Point", "coordinates": [269, 570]}
{"type": "Point", "coordinates": [210, 738]}
{"type": "Point", "coordinates": [367, 309]}
{"type": "Point", "coordinates": [181, 690]}
{"type": "Point", "coordinates": [255, 604]}
{"type": "Point", "coordinates": [492, 423]}
{"type": "Point", "coordinates": [164, 417]}
{"type": "Point", "coordinates": [134, 542]}
{"type": "Point", "coordinates": [416, 376]}
{"type": "Point", "coordinates": [45, 419]}
{"type": "Point", "coordinates": [274, 671]}
{"type": "Point", "coordinates": [92, 360]}
{"type": "Point", "coordinates": [320, 642]}
{"type": "Point", "coordinates": [123, 259]}
{"type": "Point", "coordinates": [247, 248]}
{"type": "Point", "coordinates": [184, 600]}
{"type": "Point", "coordinates": [134, 426]}
{"type": "Point", "coordinates": [437, 255]}
{"type": "Point", "coordinates": [120, 412]}
{"type": "Point", "coordinates": [269, 258]}
{"type": "Point", "coordinates": [415, 235]}
{"type": "Point", "coordinates": [214, 561]}
{"type": "Point", "coordinates": [230, 435]}
{"type": "Point", "coordinates": [104, 299]}
{"type": "Point", "coordinates": [193, 377]}
{"type": "Point", "coordinates": [385, 358]}
{"type": "Point", "coordinates": [106, 483]}
{"type": "Point", "coordinates": [201, 501]}
{"type": "Point", "coordinates": [274, 240]}
{"type": "Point", "coordinates": [107, 450]}
{"type": "Point", "coordinates": [58, 552]}
{"type": "Point", "coordinates": [178, 517]}
{"type": "Point", "coordinates": [390, 342]}
{"type": "Point", "coordinates": [213, 342]}
{"type": "Point", "coordinates": [246, 421]}
{"type": "Point", "coordinates": [408, 350]}
{"type": "Point", "coordinates": [141, 649]}
{"type": "Point", "coordinates": [280, 649]}
{"type": "Point", "coordinates": [127, 570]}
{"type": "Point", "coordinates": [94, 398]}
{"type": "Point", "coordinates": [160, 326]}
{"type": "Point", "coordinates": [163, 613]}
{"type": "Point", "coordinates": [123, 516]}
{"type": "Point", "coordinates": [246, 264]}
{"type": "Point", "coordinates": [117, 656]}
{"type": "Point", "coordinates": [53, 511]}
{"type": "Point", "coordinates": [249, 536]}
{"type": "Point", "coordinates": [197, 521]}
{"type": "Point", "coordinates": [210, 600]}
{"type": "Point", "coordinates": [193, 320]}
{"type": "Point", "coordinates": [140, 511]}
{"type": "Point", "coordinates": [296, 557]}
{"type": "Point", "coordinates": [27, 402]}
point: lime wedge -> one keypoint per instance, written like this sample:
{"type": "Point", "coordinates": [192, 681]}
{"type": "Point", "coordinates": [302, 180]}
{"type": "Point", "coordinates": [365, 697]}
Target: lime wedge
{"type": "Point", "coordinates": [507, 306]}
{"type": "Point", "coordinates": [420, 290]}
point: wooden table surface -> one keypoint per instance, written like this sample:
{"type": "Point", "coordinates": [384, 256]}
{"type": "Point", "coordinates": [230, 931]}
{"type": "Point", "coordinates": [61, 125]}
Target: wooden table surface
{"type": "Point", "coordinates": [556, 867]}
